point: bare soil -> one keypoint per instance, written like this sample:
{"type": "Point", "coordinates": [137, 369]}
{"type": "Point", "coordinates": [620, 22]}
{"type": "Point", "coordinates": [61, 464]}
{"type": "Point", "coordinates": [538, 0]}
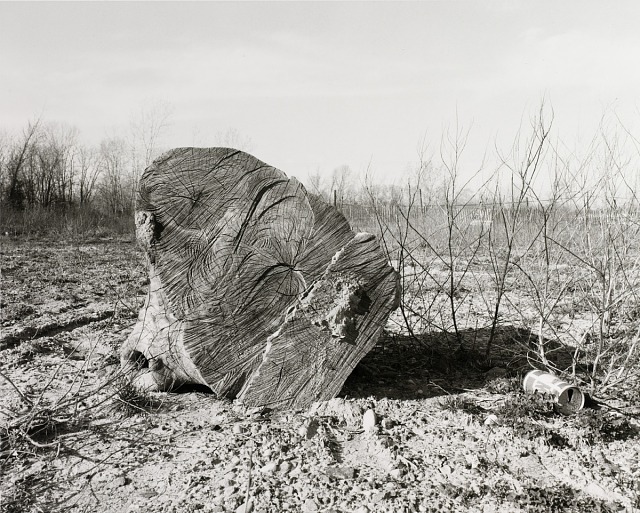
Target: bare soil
{"type": "Point", "coordinates": [453, 430]}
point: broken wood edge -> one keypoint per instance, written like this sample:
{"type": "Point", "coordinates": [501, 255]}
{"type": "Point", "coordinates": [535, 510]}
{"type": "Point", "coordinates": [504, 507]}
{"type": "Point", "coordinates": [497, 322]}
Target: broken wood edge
{"type": "Point", "coordinates": [384, 286]}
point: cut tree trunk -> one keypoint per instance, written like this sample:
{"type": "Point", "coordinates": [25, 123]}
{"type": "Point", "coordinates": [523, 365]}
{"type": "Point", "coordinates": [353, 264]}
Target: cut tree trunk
{"type": "Point", "coordinates": [258, 290]}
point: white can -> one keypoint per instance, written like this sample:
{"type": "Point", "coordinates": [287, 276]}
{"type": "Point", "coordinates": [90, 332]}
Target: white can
{"type": "Point", "coordinates": [569, 398]}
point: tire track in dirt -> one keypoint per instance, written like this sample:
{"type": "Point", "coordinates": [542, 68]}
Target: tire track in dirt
{"type": "Point", "coordinates": [50, 329]}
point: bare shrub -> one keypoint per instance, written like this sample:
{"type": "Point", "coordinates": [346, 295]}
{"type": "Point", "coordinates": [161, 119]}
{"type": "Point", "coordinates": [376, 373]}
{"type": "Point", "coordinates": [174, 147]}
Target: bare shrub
{"type": "Point", "coordinates": [548, 243]}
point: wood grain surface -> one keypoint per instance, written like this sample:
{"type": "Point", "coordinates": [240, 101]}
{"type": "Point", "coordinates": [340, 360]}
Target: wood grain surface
{"type": "Point", "coordinates": [275, 297]}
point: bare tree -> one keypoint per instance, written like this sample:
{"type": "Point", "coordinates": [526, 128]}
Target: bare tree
{"type": "Point", "coordinates": [115, 187]}
{"type": "Point", "coordinates": [316, 185]}
{"type": "Point", "coordinates": [523, 167]}
{"type": "Point", "coordinates": [342, 184]}
{"type": "Point", "coordinates": [61, 145]}
{"type": "Point", "coordinates": [46, 170]}
{"type": "Point", "coordinates": [147, 127]}
{"type": "Point", "coordinates": [5, 147]}
{"type": "Point", "coordinates": [233, 138]}
{"type": "Point", "coordinates": [88, 171]}
{"type": "Point", "coordinates": [462, 240]}
{"type": "Point", "coordinates": [18, 154]}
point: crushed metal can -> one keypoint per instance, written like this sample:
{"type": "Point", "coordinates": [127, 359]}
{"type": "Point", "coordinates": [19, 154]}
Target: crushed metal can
{"type": "Point", "coordinates": [569, 398]}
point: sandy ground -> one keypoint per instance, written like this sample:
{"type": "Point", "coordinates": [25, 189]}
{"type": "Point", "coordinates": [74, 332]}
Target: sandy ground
{"type": "Point", "coordinates": [452, 429]}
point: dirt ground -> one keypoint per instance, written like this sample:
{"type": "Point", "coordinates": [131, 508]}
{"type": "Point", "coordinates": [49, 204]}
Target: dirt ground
{"type": "Point", "coordinates": [452, 429]}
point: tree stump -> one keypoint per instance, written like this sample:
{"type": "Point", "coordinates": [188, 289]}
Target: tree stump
{"type": "Point", "coordinates": [258, 289]}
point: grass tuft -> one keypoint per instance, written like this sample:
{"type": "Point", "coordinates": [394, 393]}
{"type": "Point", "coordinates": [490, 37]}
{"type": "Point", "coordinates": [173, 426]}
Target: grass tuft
{"type": "Point", "coordinates": [600, 426]}
{"type": "Point", "coordinates": [455, 403]}
{"type": "Point", "coordinates": [130, 400]}
{"type": "Point", "coordinates": [526, 413]}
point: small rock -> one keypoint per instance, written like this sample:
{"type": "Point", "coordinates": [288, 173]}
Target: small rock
{"type": "Point", "coordinates": [310, 505]}
{"type": "Point", "coordinates": [445, 469]}
{"type": "Point", "coordinates": [492, 420]}
{"type": "Point", "coordinates": [369, 420]}
{"type": "Point", "coordinates": [285, 467]}
{"type": "Point", "coordinates": [387, 423]}
{"type": "Point", "coordinates": [238, 429]}
{"type": "Point", "coordinates": [118, 482]}
{"type": "Point", "coordinates": [340, 472]}
{"type": "Point", "coordinates": [396, 473]}
{"type": "Point", "coordinates": [269, 468]}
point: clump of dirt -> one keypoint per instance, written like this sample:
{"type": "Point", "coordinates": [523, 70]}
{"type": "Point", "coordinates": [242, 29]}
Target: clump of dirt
{"type": "Point", "coordinates": [12, 312]}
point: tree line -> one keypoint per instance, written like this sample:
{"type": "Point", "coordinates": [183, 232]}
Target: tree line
{"type": "Point", "coordinates": [47, 166]}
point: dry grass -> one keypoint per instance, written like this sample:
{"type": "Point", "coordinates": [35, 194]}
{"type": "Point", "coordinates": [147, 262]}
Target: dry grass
{"type": "Point", "coordinates": [69, 222]}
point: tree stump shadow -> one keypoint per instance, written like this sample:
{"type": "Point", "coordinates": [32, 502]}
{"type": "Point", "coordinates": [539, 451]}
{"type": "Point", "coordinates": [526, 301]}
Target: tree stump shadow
{"type": "Point", "coordinates": [435, 364]}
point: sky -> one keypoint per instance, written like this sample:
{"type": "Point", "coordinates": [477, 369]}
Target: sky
{"type": "Point", "coordinates": [318, 85]}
